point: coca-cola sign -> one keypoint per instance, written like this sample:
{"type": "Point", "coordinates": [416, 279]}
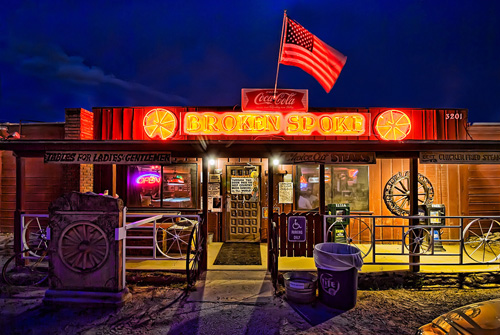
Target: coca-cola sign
{"type": "Point", "coordinates": [265, 100]}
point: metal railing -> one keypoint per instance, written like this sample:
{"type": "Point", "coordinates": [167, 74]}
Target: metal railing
{"type": "Point", "coordinates": [471, 240]}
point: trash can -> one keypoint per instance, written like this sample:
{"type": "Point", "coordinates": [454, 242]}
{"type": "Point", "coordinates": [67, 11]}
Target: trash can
{"type": "Point", "coordinates": [338, 266]}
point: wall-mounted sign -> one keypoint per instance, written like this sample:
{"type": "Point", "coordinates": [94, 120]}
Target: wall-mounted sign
{"type": "Point", "coordinates": [213, 190]}
{"type": "Point", "coordinates": [241, 185]}
{"type": "Point", "coordinates": [285, 193]}
{"type": "Point", "coordinates": [437, 157]}
{"type": "Point", "coordinates": [269, 123]}
{"type": "Point", "coordinates": [392, 125]}
{"type": "Point", "coordinates": [264, 100]}
{"type": "Point", "coordinates": [328, 157]}
{"type": "Point", "coordinates": [106, 157]}
{"type": "Point", "coordinates": [160, 123]}
{"type": "Point", "coordinates": [297, 229]}
{"type": "Point", "coordinates": [214, 178]}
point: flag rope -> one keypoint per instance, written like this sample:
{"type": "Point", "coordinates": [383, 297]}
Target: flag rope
{"type": "Point", "coordinates": [279, 55]}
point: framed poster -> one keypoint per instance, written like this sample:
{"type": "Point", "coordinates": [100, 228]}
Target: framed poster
{"type": "Point", "coordinates": [285, 191]}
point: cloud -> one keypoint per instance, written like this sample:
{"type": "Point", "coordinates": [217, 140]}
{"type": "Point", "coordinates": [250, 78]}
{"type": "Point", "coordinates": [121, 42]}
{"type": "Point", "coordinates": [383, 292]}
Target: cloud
{"type": "Point", "coordinates": [52, 61]}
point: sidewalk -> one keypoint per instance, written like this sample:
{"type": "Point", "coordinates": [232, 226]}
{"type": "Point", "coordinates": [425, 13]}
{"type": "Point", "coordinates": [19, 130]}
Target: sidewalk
{"type": "Point", "coordinates": [231, 302]}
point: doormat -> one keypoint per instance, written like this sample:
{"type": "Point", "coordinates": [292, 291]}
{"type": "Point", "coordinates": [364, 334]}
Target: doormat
{"type": "Point", "coordinates": [239, 253]}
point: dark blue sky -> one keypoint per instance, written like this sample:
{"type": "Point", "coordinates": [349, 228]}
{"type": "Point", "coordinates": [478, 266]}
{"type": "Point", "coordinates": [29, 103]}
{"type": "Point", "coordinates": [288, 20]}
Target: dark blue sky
{"type": "Point", "coordinates": [401, 53]}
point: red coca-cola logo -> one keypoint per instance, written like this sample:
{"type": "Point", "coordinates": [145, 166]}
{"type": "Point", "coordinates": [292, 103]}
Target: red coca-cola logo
{"type": "Point", "coordinates": [265, 100]}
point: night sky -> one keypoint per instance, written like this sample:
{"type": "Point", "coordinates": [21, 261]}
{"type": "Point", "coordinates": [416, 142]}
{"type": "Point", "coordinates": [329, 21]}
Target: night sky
{"type": "Point", "coordinates": [402, 53]}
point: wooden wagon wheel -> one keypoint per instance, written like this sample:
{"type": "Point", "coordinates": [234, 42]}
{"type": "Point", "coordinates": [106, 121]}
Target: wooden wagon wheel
{"type": "Point", "coordinates": [397, 193]}
{"type": "Point", "coordinates": [83, 247]}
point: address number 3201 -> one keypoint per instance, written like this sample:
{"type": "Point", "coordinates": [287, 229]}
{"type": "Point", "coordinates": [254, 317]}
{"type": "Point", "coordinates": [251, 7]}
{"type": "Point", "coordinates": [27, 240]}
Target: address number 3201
{"type": "Point", "coordinates": [454, 116]}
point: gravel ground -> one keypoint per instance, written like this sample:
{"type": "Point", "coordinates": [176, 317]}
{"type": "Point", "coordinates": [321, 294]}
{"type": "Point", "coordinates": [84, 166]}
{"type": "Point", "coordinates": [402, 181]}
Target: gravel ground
{"type": "Point", "coordinates": [165, 310]}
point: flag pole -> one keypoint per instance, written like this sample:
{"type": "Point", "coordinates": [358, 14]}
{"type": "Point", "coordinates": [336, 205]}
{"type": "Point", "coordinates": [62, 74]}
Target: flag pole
{"type": "Point", "coordinates": [279, 54]}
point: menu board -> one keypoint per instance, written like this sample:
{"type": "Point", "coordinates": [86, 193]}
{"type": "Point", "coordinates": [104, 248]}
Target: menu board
{"type": "Point", "coordinates": [285, 193]}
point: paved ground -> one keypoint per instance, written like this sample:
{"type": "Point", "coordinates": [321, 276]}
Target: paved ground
{"type": "Point", "coordinates": [230, 302]}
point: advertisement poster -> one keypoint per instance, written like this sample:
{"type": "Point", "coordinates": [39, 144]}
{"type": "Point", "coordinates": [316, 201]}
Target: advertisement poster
{"type": "Point", "coordinates": [285, 193]}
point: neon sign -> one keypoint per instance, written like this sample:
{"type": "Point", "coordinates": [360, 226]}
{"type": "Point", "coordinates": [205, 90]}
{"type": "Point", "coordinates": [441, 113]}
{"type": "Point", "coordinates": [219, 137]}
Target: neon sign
{"type": "Point", "coordinates": [149, 178]}
{"type": "Point", "coordinates": [291, 124]}
{"type": "Point", "coordinates": [392, 125]}
{"type": "Point", "coordinates": [160, 123]}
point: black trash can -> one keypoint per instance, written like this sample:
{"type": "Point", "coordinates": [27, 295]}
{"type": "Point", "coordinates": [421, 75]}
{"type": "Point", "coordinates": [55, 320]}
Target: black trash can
{"type": "Point", "coordinates": [338, 266]}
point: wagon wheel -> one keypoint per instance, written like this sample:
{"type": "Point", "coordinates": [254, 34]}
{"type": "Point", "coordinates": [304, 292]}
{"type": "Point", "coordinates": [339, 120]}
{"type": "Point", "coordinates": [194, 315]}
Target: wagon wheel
{"type": "Point", "coordinates": [34, 237]}
{"type": "Point", "coordinates": [397, 193]}
{"type": "Point", "coordinates": [414, 240]}
{"type": "Point", "coordinates": [172, 236]}
{"type": "Point", "coordinates": [83, 247]}
{"type": "Point", "coordinates": [360, 237]}
{"type": "Point", "coordinates": [482, 240]}
{"type": "Point", "coordinates": [193, 256]}
{"type": "Point", "coordinates": [29, 274]}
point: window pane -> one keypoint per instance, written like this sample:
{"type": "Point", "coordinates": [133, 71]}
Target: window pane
{"type": "Point", "coordinates": [307, 187]}
{"type": "Point", "coordinates": [347, 185]}
{"type": "Point", "coordinates": [144, 186]}
{"type": "Point", "coordinates": [178, 183]}
{"type": "Point", "coordinates": [179, 186]}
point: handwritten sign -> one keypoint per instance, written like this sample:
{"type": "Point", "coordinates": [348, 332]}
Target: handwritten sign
{"type": "Point", "coordinates": [285, 193]}
{"type": "Point", "coordinates": [241, 185]}
{"type": "Point", "coordinates": [297, 229]}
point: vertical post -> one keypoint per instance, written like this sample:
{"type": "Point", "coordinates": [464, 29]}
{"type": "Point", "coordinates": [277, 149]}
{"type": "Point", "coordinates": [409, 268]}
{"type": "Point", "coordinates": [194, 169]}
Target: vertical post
{"type": "Point", "coordinates": [204, 227]}
{"type": "Point", "coordinates": [270, 209]}
{"type": "Point", "coordinates": [322, 188]}
{"type": "Point", "coordinates": [414, 209]}
{"type": "Point", "coordinates": [20, 190]}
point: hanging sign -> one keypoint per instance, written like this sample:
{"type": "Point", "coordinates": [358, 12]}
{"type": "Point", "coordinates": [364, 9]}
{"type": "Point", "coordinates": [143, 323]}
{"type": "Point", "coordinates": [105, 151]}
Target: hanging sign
{"type": "Point", "coordinates": [241, 185]}
{"type": "Point", "coordinates": [106, 157]}
{"type": "Point", "coordinates": [297, 229]}
{"type": "Point", "coordinates": [328, 157]}
{"type": "Point", "coordinates": [285, 192]}
{"type": "Point", "coordinates": [265, 100]}
{"type": "Point", "coordinates": [437, 157]}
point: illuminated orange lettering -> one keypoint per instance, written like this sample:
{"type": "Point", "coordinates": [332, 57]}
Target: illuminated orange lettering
{"type": "Point", "coordinates": [210, 123]}
{"type": "Point", "coordinates": [275, 123]}
{"type": "Point", "coordinates": [308, 123]}
{"type": "Point", "coordinates": [259, 123]}
{"type": "Point", "coordinates": [293, 120]}
{"type": "Point", "coordinates": [358, 124]}
{"type": "Point", "coordinates": [193, 123]}
{"type": "Point", "coordinates": [326, 124]}
{"type": "Point", "coordinates": [225, 125]}
{"type": "Point", "coordinates": [244, 125]}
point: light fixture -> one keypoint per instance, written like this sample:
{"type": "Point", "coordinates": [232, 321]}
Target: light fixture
{"type": "Point", "coordinates": [211, 161]}
{"type": "Point", "coordinates": [276, 162]}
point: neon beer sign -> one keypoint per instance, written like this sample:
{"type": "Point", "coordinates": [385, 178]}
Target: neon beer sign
{"type": "Point", "coordinates": [149, 178]}
{"type": "Point", "coordinates": [290, 124]}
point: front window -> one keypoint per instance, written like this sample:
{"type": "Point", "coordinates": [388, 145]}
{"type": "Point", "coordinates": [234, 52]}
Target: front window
{"type": "Point", "coordinates": [347, 185]}
{"type": "Point", "coordinates": [307, 187]}
{"type": "Point", "coordinates": [169, 186]}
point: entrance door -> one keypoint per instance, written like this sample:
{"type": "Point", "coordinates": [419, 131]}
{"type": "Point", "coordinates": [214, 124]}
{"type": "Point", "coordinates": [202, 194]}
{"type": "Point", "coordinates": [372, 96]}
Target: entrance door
{"type": "Point", "coordinates": [243, 199]}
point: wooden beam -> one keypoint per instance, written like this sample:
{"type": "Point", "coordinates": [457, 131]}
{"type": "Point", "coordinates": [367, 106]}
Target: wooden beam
{"type": "Point", "coordinates": [204, 227]}
{"type": "Point", "coordinates": [20, 191]}
{"type": "Point", "coordinates": [322, 194]}
{"type": "Point", "coordinates": [270, 207]}
{"type": "Point", "coordinates": [414, 210]}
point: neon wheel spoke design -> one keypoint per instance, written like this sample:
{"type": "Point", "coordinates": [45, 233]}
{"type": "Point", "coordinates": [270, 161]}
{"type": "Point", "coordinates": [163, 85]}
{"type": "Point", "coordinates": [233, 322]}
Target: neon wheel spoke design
{"type": "Point", "coordinates": [160, 123]}
{"type": "Point", "coordinates": [393, 125]}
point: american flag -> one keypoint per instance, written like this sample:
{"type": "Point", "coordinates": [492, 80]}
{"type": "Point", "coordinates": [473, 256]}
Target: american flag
{"type": "Point", "coordinates": [305, 50]}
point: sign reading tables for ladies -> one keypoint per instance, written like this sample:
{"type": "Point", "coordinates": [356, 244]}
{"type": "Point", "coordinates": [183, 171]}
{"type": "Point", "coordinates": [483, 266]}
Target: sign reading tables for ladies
{"type": "Point", "coordinates": [297, 229]}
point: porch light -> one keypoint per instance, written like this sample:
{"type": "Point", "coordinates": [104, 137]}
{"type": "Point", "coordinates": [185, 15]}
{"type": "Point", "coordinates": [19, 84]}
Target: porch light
{"type": "Point", "coordinates": [276, 162]}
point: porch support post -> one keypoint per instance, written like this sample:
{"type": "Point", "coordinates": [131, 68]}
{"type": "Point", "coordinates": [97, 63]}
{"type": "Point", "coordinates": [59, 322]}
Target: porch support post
{"type": "Point", "coordinates": [20, 190]}
{"type": "Point", "coordinates": [204, 227]}
{"type": "Point", "coordinates": [414, 209]}
{"type": "Point", "coordinates": [322, 189]}
{"type": "Point", "coordinates": [270, 208]}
